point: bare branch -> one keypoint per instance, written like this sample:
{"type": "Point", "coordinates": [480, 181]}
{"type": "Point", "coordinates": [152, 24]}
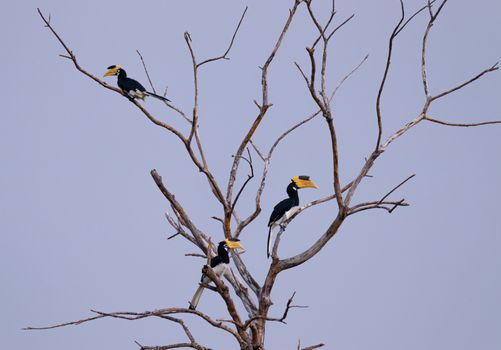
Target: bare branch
{"type": "Point", "coordinates": [197, 255]}
{"type": "Point", "coordinates": [223, 56]}
{"type": "Point", "coordinates": [230, 305]}
{"type": "Point", "coordinates": [424, 44]}
{"type": "Point", "coordinates": [340, 26]}
{"type": "Point", "coordinates": [59, 325]}
{"type": "Point", "coordinates": [462, 124]}
{"type": "Point", "coordinates": [385, 75]}
{"type": "Point", "coordinates": [478, 76]}
{"type": "Point", "coordinates": [395, 188]}
{"type": "Point", "coordinates": [241, 290]}
{"type": "Point", "coordinates": [170, 105]}
{"type": "Point", "coordinates": [171, 346]}
{"type": "Point", "coordinates": [291, 129]}
{"type": "Point", "coordinates": [267, 162]}
{"type": "Point", "coordinates": [132, 316]}
{"type": "Point", "coordinates": [288, 306]}
{"type": "Point", "coordinates": [428, 6]}
{"type": "Point", "coordinates": [434, 16]}
{"type": "Point", "coordinates": [347, 76]}
{"type": "Point", "coordinates": [262, 112]}
{"type": "Point", "coordinates": [312, 347]}
{"type": "Point", "coordinates": [185, 329]}
{"type": "Point", "coordinates": [146, 71]}
{"type": "Point", "coordinates": [217, 219]}
{"type": "Point", "coordinates": [303, 74]}
{"type": "Point", "coordinates": [323, 102]}
{"type": "Point", "coordinates": [257, 150]}
{"type": "Point", "coordinates": [378, 205]}
{"type": "Point", "coordinates": [198, 235]}
{"type": "Point", "coordinates": [249, 177]}
{"type": "Point", "coordinates": [73, 58]}
{"type": "Point", "coordinates": [185, 141]}
{"type": "Point", "coordinates": [324, 29]}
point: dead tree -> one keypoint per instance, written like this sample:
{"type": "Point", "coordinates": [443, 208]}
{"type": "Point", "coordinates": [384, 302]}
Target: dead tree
{"type": "Point", "coordinates": [241, 288]}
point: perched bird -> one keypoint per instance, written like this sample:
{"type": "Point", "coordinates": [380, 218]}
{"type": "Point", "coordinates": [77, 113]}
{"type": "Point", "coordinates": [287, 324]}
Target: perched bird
{"type": "Point", "coordinates": [284, 210]}
{"type": "Point", "coordinates": [131, 87]}
{"type": "Point", "coordinates": [220, 265]}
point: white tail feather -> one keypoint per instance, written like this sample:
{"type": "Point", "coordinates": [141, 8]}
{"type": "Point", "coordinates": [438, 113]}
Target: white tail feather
{"type": "Point", "coordinates": [196, 298]}
{"type": "Point", "coordinates": [269, 241]}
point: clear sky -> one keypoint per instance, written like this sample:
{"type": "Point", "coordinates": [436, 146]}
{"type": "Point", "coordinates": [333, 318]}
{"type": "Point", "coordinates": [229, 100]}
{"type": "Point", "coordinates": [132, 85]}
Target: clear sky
{"type": "Point", "coordinates": [82, 223]}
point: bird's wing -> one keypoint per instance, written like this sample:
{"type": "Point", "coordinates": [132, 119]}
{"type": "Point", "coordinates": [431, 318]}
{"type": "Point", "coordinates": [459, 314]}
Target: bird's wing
{"type": "Point", "coordinates": [129, 84]}
{"type": "Point", "coordinates": [279, 210]}
{"type": "Point", "coordinates": [215, 261]}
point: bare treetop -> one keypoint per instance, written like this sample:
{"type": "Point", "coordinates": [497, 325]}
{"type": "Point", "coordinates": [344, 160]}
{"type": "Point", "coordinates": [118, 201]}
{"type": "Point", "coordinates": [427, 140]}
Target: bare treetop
{"type": "Point", "coordinates": [244, 290]}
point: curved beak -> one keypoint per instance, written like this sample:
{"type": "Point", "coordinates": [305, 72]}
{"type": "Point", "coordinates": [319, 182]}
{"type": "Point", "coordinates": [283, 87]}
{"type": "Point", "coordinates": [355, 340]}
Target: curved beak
{"type": "Point", "coordinates": [234, 244]}
{"type": "Point", "coordinates": [111, 71]}
{"type": "Point", "coordinates": [303, 182]}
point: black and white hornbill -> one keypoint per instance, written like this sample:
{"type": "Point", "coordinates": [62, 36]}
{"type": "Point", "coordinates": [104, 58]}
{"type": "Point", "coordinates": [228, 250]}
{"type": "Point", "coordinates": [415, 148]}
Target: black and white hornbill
{"type": "Point", "coordinates": [285, 208]}
{"type": "Point", "coordinates": [220, 264]}
{"type": "Point", "coordinates": [131, 87]}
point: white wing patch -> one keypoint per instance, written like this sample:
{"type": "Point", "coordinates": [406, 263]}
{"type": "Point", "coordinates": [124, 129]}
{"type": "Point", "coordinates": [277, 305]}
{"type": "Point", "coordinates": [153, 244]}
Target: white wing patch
{"type": "Point", "coordinates": [138, 94]}
{"type": "Point", "coordinates": [286, 216]}
{"type": "Point", "coordinates": [221, 269]}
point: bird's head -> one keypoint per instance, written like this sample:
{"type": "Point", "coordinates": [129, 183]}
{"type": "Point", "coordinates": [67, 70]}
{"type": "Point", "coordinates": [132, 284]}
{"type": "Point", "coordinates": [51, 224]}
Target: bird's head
{"type": "Point", "coordinates": [303, 181]}
{"type": "Point", "coordinates": [112, 70]}
{"type": "Point", "coordinates": [231, 243]}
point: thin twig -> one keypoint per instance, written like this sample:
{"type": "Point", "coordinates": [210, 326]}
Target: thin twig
{"type": "Point", "coordinates": [223, 56]}
{"type": "Point", "coordinates": [493, 68]}
{"type": "Point", "coordinates": [197, 255]}
{"type": "Point", "coordinates": [395, 188]}
{"type": "Point", "coordinates": [132, 316]}
{"type": "Point", "coordinates": [385, 74]}
{"type": "Point", "coordinates": [465, 125]}
{"type": "Point", "coordinates": [170, 105]}
{"type": "Point", "coordinates": [249, 177]}
{"type": "Point", "coordinates": [312, 347]}
{"type": "Point", "coordinates": [347, 76]}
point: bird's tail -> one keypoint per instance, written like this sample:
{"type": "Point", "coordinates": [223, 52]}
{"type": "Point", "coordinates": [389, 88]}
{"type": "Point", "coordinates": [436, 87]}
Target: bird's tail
{"type": "Point", "coordinates": [158, 96]}
{"type": "Point", "coordinates": [196, 297]}
{"type": "Point", "coordinates": [269, 242]}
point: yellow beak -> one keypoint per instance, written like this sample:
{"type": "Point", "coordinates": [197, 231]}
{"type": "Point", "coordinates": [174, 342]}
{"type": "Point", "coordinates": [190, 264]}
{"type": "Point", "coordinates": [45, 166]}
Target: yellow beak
{"type": "Point", "coordinates": [232, 244]}
{"type": "Point", "coordinates": [304, 182]}
{"type": "Point", "coordinates": [113, 70]}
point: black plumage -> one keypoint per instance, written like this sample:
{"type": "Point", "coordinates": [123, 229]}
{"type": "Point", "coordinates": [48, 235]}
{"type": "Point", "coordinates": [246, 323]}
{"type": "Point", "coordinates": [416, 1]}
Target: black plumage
{"type": "Point", "coordinates": [130, 86]}
{"type": "Point", "coordinates": [219, 264]}
{"type": "Point", "coordinates": [287, 207]}
{"type": "Point", "coordinates": [222, 257]}
{"type": "Point", "coordinates": [280, 210]}
{"type": "Point", "coordinates": [127, 84]}
{"type": "Point", "coordinates": [284, 205]}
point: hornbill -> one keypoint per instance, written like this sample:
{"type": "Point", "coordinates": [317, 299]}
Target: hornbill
{"type": "Point", "coordinates": [131, 87]}
{"type": "Point", "coordinates": [284, 210]}
{"type": "Point", "coordinates": [219, 264]}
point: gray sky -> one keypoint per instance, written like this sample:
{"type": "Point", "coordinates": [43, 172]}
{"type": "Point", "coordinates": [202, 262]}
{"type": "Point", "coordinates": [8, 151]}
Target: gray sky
{"type": "Point", "coordinates": [82, 221]}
